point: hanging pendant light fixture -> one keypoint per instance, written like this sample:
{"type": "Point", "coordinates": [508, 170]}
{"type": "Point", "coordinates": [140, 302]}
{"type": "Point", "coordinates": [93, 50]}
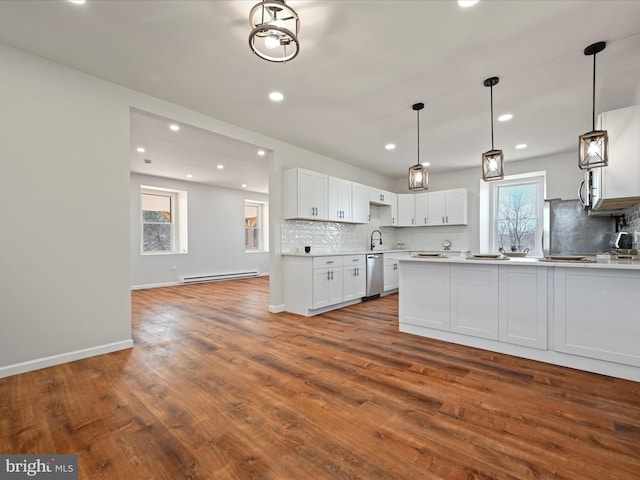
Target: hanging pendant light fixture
{"type": "Point", "coordinates": [418, 174]}
{"type": "Point", "coordinates": [594, 145]}
{"type": "Point", "coordinates": [275, 27]}
{"type": "Point", "coordinates": [493, 160]}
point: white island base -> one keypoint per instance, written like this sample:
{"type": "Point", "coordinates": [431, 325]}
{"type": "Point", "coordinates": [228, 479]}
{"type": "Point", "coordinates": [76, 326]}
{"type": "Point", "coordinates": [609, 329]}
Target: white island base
{"type": "Point", "coordinates": [579, 315]}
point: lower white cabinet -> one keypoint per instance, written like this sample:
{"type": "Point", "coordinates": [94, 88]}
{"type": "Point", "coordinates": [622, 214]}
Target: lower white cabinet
{"type": "Point", "coordinates": [596, 314]}
{"type": "Point", "coordinates": [391, 271]}
{"type": "Point", "coordinates": [474, 300]}
{"type": "Point", "coordinates": [354, 277]}
{"type": "Point", "coordinates": [318, 284]}
{"type": "Point", "coordinates": [424, 299]}
{"type": "Point", "coordinates": [523, 306]}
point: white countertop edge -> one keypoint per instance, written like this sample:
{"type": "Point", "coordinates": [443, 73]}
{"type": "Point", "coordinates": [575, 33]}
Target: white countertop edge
{"type": "Point", "coordinates": [405, 252]}
{"type": "Point", "coordinates": [530, 262]}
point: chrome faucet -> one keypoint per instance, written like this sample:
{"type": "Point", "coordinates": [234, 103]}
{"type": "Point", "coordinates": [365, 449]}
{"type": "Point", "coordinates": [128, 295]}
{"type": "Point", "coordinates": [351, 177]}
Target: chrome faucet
{"type": "Point", "coordinates": [373, 244]}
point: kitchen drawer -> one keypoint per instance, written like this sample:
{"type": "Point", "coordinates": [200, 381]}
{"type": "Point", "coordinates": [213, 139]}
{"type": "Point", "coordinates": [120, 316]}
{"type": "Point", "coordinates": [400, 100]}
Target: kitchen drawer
{"type": "Point", "coordinates": [355, 260]}
{"type": "Point", "coordinates": [323, 262]}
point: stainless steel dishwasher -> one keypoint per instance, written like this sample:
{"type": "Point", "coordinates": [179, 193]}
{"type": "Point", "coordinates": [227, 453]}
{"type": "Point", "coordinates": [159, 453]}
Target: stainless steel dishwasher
{"type": "Point", "coordinates": [375, 275]}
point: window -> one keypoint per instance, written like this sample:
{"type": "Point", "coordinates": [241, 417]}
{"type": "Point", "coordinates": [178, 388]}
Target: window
{"type": "Point", "coordinates": [163, 215]}
{"type": "Point", "coordinates": [516, 213]}
{"type": "Point", "coordinates": [255, 226]}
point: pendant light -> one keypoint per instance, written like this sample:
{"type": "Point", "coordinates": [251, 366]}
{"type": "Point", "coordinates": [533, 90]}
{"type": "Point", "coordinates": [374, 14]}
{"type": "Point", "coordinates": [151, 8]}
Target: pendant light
{"type": "Point", "coordinates": [493, 160]}
{"type": "Point", "coordinates": [418, 174]}
{"type": "Point", "coordinates": [594, 145]}
{"type": "Point", "coordinates": [275, 27]}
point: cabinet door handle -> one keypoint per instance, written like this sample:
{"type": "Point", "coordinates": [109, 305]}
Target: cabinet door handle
{"type": "Point", "coordinates": [393, 220]}
{"type": "Point", "coordinates": [447, 218]}
{"type": "Point", "coordinates": [442, 219]}
{"type": "Point", "coordinates": [329, 262]}
{"type": "Point", "coordinates": [413, 221]}
{"type": "Point", "coordinates": [331, 274]}
{"type": "Point", "coordinates": [328, 275]}
{"type": "Point", "coordinates": [425, 220]}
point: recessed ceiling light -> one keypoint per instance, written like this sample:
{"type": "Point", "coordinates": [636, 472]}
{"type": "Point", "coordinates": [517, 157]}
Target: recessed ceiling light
{"type": "Point", "coordinates": [520, 146]}
{"type": "Point", "coordinates": [390, 146]}
{"type": "Point", "coordinates": [425, 164]}
{"type": "Point", "coordinates": [220, 167]}
{"type": "Point", "coordinates": [505, 117]}
{"type": "Point", "coordinates": [276, 96]}
{"type": "Point", "coordinates": [189, 175]}
{"type": "Point", "coordinates": [262, 153]}
{"type": "Point", "coordinates": [78, 2]}
{"type": "Point", "coordinates": [467, 3]}
{"type": "Point", "coordinates": [140, 150]}
{"type": "Point", "coordinates": [244, 185]}
{"type": "Point", "coordinates": [174, 127]}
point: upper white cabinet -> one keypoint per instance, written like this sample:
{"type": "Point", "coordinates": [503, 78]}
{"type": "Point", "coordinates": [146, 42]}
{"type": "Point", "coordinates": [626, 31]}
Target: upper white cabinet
{"type": "Point", "coordinates": [447, 207]}
{"type": "Point", "coordinates": [406, 210]}
{"type": "Point", "coordinates": [420, 202]}
{"type": "Point", "coordinates": [379, 197]}
{"type": "Point", "coordinates": [305, 194]}
{"type": "Point", "coordinates": [389, 216]}
{"type": "Point", "coordinates": [620, 180]}
{"type": "Point", "coordinates": [339, 199]}
{"type": "Point", "coordinates": [359, 203]}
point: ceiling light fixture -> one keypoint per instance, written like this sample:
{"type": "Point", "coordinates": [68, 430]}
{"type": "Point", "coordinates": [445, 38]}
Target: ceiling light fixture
{"type": "Point", "coordinates": [262, 153]}
{"type": "Point", "coordinates": [418, 174]}
{"type": "Point", "coordinates": [175, 128]}
{"type": "Point", "coordinates": [276, 97]}
{"type": "Point", "coordinates": [220, 167]}
{"type": "Point", "coordinates": [140, 150]}
{"type": "Point", "coordinates": [594, 145]}
{"type": "Point", "coordinates": [467, 3]}
{"type": "Point", "coordinates": [520, 146]}
{"type": "Point", "coordinates": [78, 2]}
{"type": "Point", "coordinates": [390, 146]}
{"type": "Point", "coordinates": [274, 35]}
{"type": "Point", "coordinates": [505, 117]}
{"type": "Point", "coordinates": [493, 160]}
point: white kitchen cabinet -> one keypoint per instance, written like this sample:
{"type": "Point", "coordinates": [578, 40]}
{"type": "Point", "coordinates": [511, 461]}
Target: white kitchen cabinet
{"type": "Point", "coordinates": [327, 287]}
{"type": "Point", "coordinates": [354, 277]}
{"type": "Point", "coordinates": [421, 212]}
{"type": "Point", "coordinates": [359, 203]}
{"type": "Point", "coordinates": [339, 199]}
{"type": "Point", "coordinates": [424, 299]}
{"type": "Point", "coordinates": [620, 180]}
{"type": "Point", "coordinates": [523, 305]}
{"type": "Point", "coordinates": [379, 197]}
{"type": "Point", "coordinates": [389, 215]}
{"type": "Point", "coordinates": [305, 194]}
{"type": "Point", "coordinates": [391, 272]}
{"type": "Point", "coordinates": [474, 300]}
{"type": "Point", "coordinates": [406, 210]}
{"type": "Point", "coordinates": [447, 207]}
{"type": "Point", "coordinates": [596, 314]}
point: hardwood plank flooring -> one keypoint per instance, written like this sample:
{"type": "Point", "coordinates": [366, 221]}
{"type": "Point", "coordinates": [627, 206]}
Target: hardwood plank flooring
{"type": "Point", "coordinates": [217, 387]}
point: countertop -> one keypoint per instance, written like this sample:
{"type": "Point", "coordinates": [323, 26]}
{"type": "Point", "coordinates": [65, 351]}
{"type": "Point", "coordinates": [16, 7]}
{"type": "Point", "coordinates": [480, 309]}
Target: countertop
{"type": "Point", "coordinates": [405, 252]}
{"type": "Point", "coordinates": [534, 262]}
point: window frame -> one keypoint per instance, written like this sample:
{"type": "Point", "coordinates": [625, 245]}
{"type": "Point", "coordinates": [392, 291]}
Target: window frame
{"type": "Point", "coordinates": [178, 205]}
{"type": "Point", "coordinates": [262, 225]}
{"type": "Point", "coordinates": [489, 209]}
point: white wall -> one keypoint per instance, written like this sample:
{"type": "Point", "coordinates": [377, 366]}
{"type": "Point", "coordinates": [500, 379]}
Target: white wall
{"type": "Point", "coordinates": [216, 234]}
{"type": "Point", "coordinates": [64, 191]}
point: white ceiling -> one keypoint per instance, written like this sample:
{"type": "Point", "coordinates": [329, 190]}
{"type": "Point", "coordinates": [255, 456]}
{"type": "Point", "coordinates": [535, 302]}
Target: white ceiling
{"type": "Point", "coordinates": [361, 66]}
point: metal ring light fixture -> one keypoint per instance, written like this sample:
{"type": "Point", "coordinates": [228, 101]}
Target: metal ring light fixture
{"type": "Point", "coordinates": [274, 35]}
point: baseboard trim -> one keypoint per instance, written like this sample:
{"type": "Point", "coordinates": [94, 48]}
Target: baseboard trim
{"type": "Point", "coordinates": [276, 308]}
{"type": "Point", "coordinates": [53, 360]}
{"type": "Point", "coordinates": [155, 285]}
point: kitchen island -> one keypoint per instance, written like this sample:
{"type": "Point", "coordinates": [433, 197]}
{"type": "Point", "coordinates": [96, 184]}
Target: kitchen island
{"type": "Point", "coordinates": [582, 314]}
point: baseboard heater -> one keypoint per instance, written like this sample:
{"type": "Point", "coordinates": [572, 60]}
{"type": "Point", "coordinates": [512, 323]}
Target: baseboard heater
{"type": "Point", "coordinates": [218, 276]}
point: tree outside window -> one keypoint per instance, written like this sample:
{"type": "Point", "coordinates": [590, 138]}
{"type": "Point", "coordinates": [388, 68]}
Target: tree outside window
{"type": "Point", "coordinates": [157, 224]}
{"type": "Point", "coordinates": [517, 217]}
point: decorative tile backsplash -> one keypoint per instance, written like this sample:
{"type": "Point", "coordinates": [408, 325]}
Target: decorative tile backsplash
{"type": "Point", "coordinates": [632, 216]}
{"type": "Point", "coordinates": [332, 237]}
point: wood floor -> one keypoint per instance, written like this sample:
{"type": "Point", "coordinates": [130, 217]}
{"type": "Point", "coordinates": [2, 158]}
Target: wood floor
{"type": "Point", "coordinates": [218, 388]}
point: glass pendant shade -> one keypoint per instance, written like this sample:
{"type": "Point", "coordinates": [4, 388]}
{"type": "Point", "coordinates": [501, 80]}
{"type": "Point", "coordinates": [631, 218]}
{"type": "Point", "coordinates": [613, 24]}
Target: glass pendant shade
{"type": "Point", "coordinates": [492, 165]}
{"type": "Point", "coordinates": [594, 150]}
{"type": "Point", "coordinates": [274, 35]}
{"type": "Point", "coordinates": [418, 178]}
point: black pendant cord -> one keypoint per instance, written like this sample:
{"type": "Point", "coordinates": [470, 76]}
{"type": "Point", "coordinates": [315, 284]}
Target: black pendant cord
{"type": "Point", "coordinates": [593, 103]}
{"type": "Point", "coordinates": [418, 113]}
{"type": "Point", "coordinates": [492, 117]}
